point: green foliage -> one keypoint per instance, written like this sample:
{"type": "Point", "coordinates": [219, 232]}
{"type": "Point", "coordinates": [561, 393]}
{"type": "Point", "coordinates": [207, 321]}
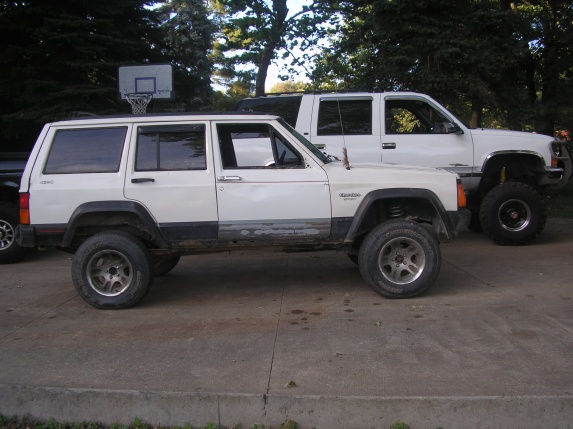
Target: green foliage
{"type": "Point", "coordinates": [255, 33]}
{"type": "Point", "coordinates": [188, 37]}
{"type": "Point", "coordinates": [61, 56]}
{"type": "Point", "coordinates": [505, 60]}
{"type": "Point", "coordinates": [399, 425]}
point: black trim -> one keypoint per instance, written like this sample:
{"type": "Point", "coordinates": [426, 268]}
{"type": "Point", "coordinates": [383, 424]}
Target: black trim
{"type": "Point", "coordinates": [339, 228]}
{"type": "Point", "coordinates": [190, 231]}
{"type": "Point", "coordinates": [384, 194]}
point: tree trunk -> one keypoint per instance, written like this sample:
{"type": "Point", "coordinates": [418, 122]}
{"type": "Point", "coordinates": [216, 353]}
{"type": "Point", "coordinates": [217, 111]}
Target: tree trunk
{"type": "Point", "coordinates": [266, 59]}
{"type": "Point", "coordinates": [277, 32]}
{"type": "Point", "coordinates": [476, 113]}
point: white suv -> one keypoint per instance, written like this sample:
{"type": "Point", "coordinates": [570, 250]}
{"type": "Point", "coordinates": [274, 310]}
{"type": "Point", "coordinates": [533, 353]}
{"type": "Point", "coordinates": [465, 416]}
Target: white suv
{"type": "Point", "coordinates": [129, 195]}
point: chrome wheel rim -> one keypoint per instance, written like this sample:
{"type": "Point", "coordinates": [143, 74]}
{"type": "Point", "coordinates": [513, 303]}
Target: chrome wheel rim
{"type": "Point", "coordinates": [514, 215]}
{"type": "Point", "coordinates": [7, 235]}
{"type": "Point", "coordinates": [109, 273]}
{"type": "Point", "coordinates": [402, 260]}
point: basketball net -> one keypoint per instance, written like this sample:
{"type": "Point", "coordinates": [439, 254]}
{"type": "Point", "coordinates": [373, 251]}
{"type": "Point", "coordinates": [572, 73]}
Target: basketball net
{"type": "Point", "coordinates": [138, 102]}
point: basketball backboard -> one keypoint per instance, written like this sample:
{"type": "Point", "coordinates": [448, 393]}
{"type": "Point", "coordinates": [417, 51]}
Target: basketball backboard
{"type": "Point", "coordinates": [154, 79]}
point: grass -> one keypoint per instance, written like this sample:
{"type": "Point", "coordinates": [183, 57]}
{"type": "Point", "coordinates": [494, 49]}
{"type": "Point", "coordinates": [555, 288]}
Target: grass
{"type": "Point", "coordinates": [27, 423]}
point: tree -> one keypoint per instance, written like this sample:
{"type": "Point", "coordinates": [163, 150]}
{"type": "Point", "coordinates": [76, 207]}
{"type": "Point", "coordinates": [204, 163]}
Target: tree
{"type": "Point", "coordinates": [61, 56]}
{"type": "Point", "coordinates": [188, 38]}
{"type": "Point", "coordinates": [464, 49]}
{"type": "Point", "coordinates": [256, 31]}
{"type": "Point", "coordinates": [548, 27]}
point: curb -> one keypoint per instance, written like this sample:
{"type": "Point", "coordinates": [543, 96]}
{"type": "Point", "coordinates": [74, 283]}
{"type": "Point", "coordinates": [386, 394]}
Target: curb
{"type": "Point", "coordinates": [321, 412]}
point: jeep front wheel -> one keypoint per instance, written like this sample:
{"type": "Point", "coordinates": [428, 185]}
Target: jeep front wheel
{"type": "Point", "coordinates": [513, 213]}
{"type": "Point", "coordinates": [400, 259]}
{"type": "Point", "coordinates": [112, 271]}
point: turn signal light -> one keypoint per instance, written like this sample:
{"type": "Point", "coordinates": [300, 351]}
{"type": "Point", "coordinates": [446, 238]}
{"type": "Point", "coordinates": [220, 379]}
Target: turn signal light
{"type": "Point", "coordinates": [461, 195]}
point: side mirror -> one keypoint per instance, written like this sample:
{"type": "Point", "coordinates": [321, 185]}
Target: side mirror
{"type": "Point", "coordinates": [454, 128]}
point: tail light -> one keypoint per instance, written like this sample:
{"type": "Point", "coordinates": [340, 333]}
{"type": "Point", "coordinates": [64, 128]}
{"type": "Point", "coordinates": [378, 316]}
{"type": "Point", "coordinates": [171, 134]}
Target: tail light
{"type": "Point", "coordinates": [25, 209]}
{"type": "Point", "coordinates": [461, 195]}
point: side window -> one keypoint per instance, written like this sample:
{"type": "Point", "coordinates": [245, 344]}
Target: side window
{"type": "Point", "coordinates": [348, 117]}
{"type": "Point", "coordinates": [413, 117]}
{"type": "Point", "coordinates": [171, 147]}
{"type": "Point", "coordinates": [287, 107]}
{"type": "Point", "coordinates": [255, 146]}
{"type": "Point", "coordinates": [87, 150]}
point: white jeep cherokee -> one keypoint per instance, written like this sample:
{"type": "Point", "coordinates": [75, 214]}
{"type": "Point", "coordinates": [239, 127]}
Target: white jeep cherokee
{"type": "Point", "coordinates": [131, 194]}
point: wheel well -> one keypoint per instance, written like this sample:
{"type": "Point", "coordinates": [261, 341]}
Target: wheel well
{"type": "Point", "coordinates": [89, 224]}
{"type": "Point", "coordinates": [417, 209]}
{"type": "Point", "coordinates": [515, 167]}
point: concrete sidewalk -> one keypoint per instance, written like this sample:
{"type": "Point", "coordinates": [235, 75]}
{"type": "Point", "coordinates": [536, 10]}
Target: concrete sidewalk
{"type": "Point", "coordinates": [259, 338]}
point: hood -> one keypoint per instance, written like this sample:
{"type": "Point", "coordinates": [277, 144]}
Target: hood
{"type": "Point", "coordinates": [385, 166]}
{"type": "Point", "coordinates": [489, 132]}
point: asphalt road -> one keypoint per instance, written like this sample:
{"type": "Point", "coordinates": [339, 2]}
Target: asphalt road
{"type": "Point", "coordinates": [259, 338]}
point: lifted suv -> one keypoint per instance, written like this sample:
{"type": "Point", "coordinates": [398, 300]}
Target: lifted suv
{"type": "Point", "coordinates": [503, 172]}
{"type": "Point", "coordinates": [129, 195]}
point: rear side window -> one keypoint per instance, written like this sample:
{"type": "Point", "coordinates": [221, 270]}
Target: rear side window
{"type": "Point", "coordinates": [345, 117]}
{"type": "Point", "coordinates": [285, 107]}
{"type": "Point", "coordinates": [171, 147]}
{"type": "Point", "coordinates": [87, 150]}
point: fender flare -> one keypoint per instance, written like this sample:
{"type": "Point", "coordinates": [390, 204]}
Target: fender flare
{"type": "Point", "coordinates": [530, 153]}
{"type": "Point", "coordinates": [112, 207]}
{"type": "Point", "coordinates": [385, 194]}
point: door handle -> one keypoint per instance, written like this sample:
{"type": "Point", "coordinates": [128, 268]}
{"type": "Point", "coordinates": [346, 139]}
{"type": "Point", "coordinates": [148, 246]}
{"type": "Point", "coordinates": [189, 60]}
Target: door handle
{"type": "Point", "coordinates": [320, 146]}
{"type": "Point", "coordinates": [228, 178]}
{"type": "Point", "coordinates": [388, 145]}
{"type": "Point", "coordinates": [142, 180]}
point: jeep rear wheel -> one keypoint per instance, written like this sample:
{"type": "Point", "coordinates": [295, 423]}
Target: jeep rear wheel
{"type": "Point", "coordinates": [10, 250]}
{"type": "Point", "coordinates": [400, 259]}
{"type": "Point", "coordinates": [513, 213]}
{"type": "Point", "coordinates": [112, 270]}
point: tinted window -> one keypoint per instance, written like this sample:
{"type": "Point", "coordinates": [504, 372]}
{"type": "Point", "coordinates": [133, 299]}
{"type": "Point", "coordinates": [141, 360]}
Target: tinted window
{"type": "Point", "coordinates": [285, 107]}
{"type": "Point", "coordinates": [92, 150]}
{"type": "Point", "coordinates": [348, 117]}
{"type": "Point", "coordinates": [177, 147]}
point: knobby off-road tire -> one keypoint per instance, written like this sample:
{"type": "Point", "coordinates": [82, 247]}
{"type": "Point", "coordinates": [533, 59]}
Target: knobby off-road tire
{"type": "Point", "coordinates": [162, 266]}
{"type": "Point", "coordinates": [400, 259]}
{"type": "Point", "coordinates": [513, 213]}
{"type": "Point", "coordinates": [112, 270]}
{"type": "Point", "coordinates": [10, 250]}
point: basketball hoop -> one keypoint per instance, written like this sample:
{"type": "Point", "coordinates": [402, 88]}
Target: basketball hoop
{"type": "Point", "coordinates": [138, 102]}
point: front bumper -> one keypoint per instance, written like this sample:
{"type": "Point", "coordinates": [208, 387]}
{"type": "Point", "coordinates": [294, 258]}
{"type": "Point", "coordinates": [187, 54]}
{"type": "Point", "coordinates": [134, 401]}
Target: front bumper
{"type": "Point", "coordinates": [460, 220]}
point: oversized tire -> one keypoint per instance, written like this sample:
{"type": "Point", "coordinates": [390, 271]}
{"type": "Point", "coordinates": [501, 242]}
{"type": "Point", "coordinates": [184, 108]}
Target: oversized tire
{"type": "Point", "coordinates": [162, 266]}
{"type": "Point", "coordinates": [400, 259]}
{"type": "Point", "coordinates": [10, 250]}
{"type": "Point", "coordinates": [513, 213]}
{"type": "Point", "coordinates": [112, 270]}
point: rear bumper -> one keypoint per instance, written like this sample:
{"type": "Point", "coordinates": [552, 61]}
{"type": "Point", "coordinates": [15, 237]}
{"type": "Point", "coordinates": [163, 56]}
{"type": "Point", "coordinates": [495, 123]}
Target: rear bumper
{"type": "Point", "coordinates": [30, 236]}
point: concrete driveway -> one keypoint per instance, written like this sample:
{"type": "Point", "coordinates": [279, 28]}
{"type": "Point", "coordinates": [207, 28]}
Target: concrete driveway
{"type": "Point", "coordinates": [259, 338]}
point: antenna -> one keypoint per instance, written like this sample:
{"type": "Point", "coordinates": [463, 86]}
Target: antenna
{"type": "Point", "coordinates": [345, 162]}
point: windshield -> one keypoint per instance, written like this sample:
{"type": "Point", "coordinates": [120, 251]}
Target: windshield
{"type": "Point", "coordinates": [305, 142]}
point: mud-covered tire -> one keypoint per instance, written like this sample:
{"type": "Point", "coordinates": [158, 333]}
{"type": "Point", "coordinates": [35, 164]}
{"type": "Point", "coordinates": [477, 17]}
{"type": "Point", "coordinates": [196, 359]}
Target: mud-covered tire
{"type": "Point", "coordinates": [10, 250]}
{"type": "Point", "coordinates": [400, 259]}
{"type": "Point", "coordinates": [513, 213]}
{"type": "Point", "coordinates": [163, 266]}
{"type": "Point", "coordinates": [112, 270]}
